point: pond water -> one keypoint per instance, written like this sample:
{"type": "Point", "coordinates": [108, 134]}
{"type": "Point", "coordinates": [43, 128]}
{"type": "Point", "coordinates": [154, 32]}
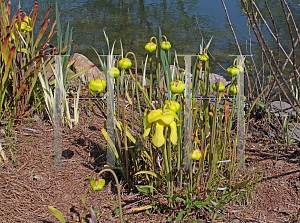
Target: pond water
{"type": "Point", "coordinates": [135, 21]}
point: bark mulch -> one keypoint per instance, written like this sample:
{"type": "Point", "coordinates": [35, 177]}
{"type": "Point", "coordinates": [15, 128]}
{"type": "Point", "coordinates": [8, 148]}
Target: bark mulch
{"type": "Point", "coordinates": [29, 183]}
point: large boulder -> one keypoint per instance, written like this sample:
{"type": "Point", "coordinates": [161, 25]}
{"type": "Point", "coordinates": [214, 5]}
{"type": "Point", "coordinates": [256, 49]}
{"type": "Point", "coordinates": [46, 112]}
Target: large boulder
{"type": "Point", "coordinates": [50, 74]}
{"type": "Point", "coordinates": [80, 63]}
{"type": "Point", "coordinates": [213, 78]}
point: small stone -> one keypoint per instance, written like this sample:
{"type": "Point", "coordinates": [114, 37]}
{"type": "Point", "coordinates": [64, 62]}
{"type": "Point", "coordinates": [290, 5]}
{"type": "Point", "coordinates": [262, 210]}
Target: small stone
{"type": "Point", "coordinates": [280, 164]}
{"type": "Point", "coordinates": [235, 220]}
{"type": "Point", "coordinates": [36, 118]}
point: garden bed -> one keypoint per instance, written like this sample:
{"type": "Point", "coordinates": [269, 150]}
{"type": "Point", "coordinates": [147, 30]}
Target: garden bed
{"type": "Point", "coordinates": [29, 183]}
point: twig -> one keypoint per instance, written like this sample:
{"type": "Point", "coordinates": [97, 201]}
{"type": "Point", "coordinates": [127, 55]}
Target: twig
{"type": "Point", "coordinates": [291, 14]}
{"type": "Point", "coordinates": [276, 89]}
{"type": "Point", "coordinates": [281, 47]}
{"type": "Point", "coordinates": [237, 43]}
{"type": "Point", "coordinates": [256, 71]}
{"type": "Point", "coordinates": [296, 28]}
{"type": "Point", "coordinates": [205, 43]}
{"type": "Point", "coordinates": [277, 36]}
{"type": "Point", "coordinates": [261, 39]}
{"type": "Point", "coordinates": [287, 60]}
{"type": "Point", "coordinates": [293, 44]}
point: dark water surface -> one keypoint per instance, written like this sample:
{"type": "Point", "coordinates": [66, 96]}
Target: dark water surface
{"type": "Point", "coordinates": [135, 21]}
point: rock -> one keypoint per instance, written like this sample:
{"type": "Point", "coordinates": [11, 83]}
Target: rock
{"type": "Point", "coordinates": [81, 62]}
{"type": "Point", "coordinates": [213, 78]}
{"type": "Point", "coordinates": [277, 107]}
{"type": "Point", "coordinates": [140, 80]}
{"type": "Point", "coordinates": [280, 164]}
{"type": "Point", "coordinates": [284, 109]}
{"type": "Point", "coordinates": [50, 74]}
{"type": "Point", "coordinates": [295, 129]}
{"type": "Point", "coordinates": [36, 118]}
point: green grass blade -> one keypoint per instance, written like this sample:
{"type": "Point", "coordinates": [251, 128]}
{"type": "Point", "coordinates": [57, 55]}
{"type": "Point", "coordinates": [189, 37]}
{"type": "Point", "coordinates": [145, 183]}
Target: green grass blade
{"type": "Point", "coordinates": [100, 61]}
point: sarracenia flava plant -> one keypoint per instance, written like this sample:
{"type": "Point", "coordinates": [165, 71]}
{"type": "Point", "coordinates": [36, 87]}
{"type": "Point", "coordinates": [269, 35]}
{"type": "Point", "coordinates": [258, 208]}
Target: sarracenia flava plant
{"type": "Point", "coordinates": [96, 184]}
{"type": "Point", "coordinates": [161, 154]}
{"type": "Point", "coordinates": [213, 146]}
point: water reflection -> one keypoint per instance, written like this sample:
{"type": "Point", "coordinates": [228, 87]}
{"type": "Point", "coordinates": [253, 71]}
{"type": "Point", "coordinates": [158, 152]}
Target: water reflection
{"type": "Point", "coordinates": [135, 21]}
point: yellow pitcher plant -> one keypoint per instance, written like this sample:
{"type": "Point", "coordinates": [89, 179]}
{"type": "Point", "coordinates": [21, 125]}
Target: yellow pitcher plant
{"type": "Point", "coordinates": [25, 25]}
{"type": "Point", "coordinates": [160, 119]}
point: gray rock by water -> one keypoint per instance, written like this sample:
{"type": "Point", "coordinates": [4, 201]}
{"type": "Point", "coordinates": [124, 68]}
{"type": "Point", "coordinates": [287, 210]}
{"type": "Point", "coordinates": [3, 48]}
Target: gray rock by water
{"type": "Point", "coordinates": [81, 62]}
{"type": "Point", "coordinates": [284, 109]}
{"type": "Point", "coordinates": [213, 78]}
{"type": "Point", "coordinates": [277, 107]}
{"type": "Point", "coordinates": [50, 74]}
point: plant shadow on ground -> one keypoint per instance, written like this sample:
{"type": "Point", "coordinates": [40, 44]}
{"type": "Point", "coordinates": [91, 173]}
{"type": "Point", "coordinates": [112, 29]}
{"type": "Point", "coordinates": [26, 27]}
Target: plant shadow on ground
{"type": "Point", "coordinates": [275, 199]}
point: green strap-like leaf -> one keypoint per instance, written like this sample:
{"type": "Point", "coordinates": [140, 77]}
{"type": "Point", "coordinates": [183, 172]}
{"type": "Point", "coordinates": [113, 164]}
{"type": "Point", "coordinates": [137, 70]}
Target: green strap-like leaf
{"type": "Point", "coordinates": [81, 72]}
{"type": "Point", "coordinates": [240, 185]}
{"type": "Point", "coordinates": [177, 194]}
{"type": "Point", "coordinates": [200, 204]}
{"type": "Point", "coordinates": [147, 186]}
{"type": "Point", "coordinates": [147, 172]}
{"type": "Point", "coordinates": [42, 29]}
{"type": "Point", "coordinates": [110, 142]}
{"type": "Point", "coordinates": [142, 208]}
{"type": "Point", "coordinates": [209, 43]}
{"type": "Point", "coordinates": [7, 66]}
{"type": "Point", "coordinates": [179, 217]}
{"type": "Point", "coordinates": [56, 213]}
{"type": "Point", "coordinates": [100, 61]}
{"type": "Point", "coordinates": [128, 134]}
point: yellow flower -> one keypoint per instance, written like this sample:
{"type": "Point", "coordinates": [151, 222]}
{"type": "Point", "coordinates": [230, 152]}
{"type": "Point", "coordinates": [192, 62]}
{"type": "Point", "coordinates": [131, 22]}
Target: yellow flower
{"type": "Point", "coordinates": [161, 119]}
{"type": "Point", "coordinates": [28, 29]}
{"type": "Point", "coordinates": [13, 37]}
{"type": "Point", "coordinates": [25, 26]}
{"type": "Point", "coordinates": [27, 19]}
